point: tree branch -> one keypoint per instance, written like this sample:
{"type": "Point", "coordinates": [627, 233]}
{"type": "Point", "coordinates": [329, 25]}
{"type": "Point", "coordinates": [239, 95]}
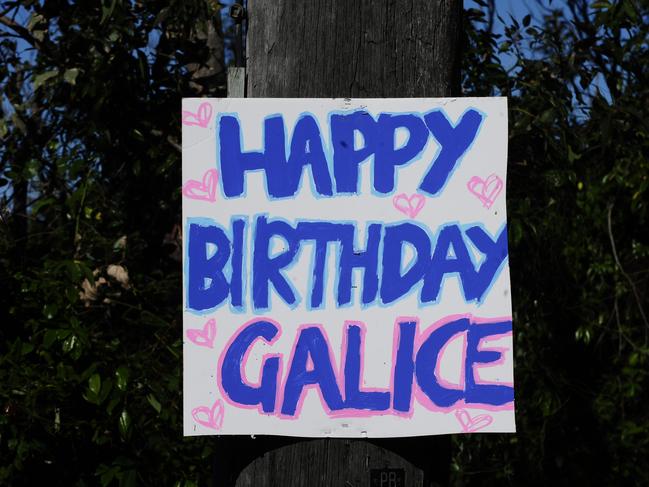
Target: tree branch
{"type": "Point", "coordinates": [619, 264]}
{"type": "Point", "coordinates": [21, 31]}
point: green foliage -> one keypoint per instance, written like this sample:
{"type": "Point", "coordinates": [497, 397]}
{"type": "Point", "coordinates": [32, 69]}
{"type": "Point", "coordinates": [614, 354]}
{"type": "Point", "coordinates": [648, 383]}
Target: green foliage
{"type": "Point", "coordinates": [579, 243]}
{"type": "Point", "coordinates": [90, 343]}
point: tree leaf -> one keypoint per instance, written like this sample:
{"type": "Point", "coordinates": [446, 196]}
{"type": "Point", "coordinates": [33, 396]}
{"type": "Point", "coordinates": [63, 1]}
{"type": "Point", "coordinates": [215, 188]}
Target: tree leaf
{"type": "Point", "coordinates": [42, 204]}
{"type": "Point", "coordinates": [40, 79]}
{"type": "Point", "coordinates": [106, 12]}
{"type": "Point", "coordinates": [122, 374]}
{"type": "Point", "coordinates": [154, 402]}
{"type": "Point", "coordinates": [94, 384]}
{"type": "Point", "coordinates": [124, 424]}
{"type": "Point", "coordinates": [70, 75]}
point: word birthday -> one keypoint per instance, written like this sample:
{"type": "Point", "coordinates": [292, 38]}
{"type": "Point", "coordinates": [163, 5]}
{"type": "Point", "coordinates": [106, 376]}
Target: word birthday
{"type": "Point", "coordinates": [284, 173]}
{"type": "Point", "coordinates": [215, 261]}
{"type": "Point", "coordinates": [415, 361]}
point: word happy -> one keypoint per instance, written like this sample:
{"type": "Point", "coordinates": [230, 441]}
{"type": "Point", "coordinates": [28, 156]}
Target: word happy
{"type": "Point", "coordinates": [307, 148]}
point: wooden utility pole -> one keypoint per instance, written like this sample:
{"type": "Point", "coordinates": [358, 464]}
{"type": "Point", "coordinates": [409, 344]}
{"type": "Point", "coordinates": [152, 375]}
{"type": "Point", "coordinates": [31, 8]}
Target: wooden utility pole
{"type": "Point", "coordinates": [339, 49]}
{"type": "Point", "coordinates": [360, 48]}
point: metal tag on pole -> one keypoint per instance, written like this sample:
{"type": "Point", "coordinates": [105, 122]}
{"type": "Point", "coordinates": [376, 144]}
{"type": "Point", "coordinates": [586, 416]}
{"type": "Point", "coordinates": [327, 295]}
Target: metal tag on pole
{"type": "Point", "coordinates": [237, 74]}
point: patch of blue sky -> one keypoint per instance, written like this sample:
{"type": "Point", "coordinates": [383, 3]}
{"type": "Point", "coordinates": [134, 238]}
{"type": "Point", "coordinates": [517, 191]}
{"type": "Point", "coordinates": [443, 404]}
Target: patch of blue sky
{"type": "Point", "coordinates": [508, 10]}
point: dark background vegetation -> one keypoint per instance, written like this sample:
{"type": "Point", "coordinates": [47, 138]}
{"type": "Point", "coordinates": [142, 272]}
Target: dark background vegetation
{"type": "Point", "coordinates": [90, 301]}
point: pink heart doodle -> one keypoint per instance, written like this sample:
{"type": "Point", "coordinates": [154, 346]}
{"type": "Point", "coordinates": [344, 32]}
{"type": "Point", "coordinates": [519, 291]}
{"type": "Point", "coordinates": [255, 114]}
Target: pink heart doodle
{"type": "Point", "coordinates": [204, 337]}
{"type": "Point", "coordinates": [202, 190]}
{"type": "Point", "coordinates": [486, 190]}
{"type": "Point", "coordinates": [201, 117]}
{"type": "Point", "coordinates": [469, 424]}
{"type": "Point", "coordinates": [209, 417]}
{"type": "Point", "coordinates": [409, 205]}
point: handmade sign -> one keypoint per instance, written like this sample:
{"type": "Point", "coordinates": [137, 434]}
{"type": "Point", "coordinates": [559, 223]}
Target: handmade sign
{"type": "Point", "coordinates": [345, 267]}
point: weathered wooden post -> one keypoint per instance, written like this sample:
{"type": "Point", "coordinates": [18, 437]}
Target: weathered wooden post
{"type": "Point", "coordinates": [364, 49]}
{"type": "Point", "coordinates": [337, 49]}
